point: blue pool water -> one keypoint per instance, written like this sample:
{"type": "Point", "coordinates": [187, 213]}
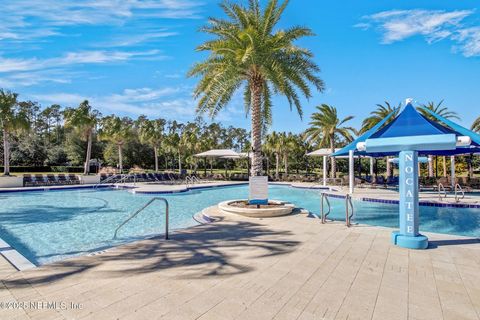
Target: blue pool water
{"type": "Point", "coordinates": [49, 226]}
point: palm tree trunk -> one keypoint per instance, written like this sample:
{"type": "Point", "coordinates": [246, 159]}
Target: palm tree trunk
{"type": "Point", "coordinates": [6, 153]}
{"type": "Point", "coordinates": [430, 166]}
{"type": "Point", "coordinates": [179, 162]}
{"type": "Point", "coordinates": [470, 166]}
{"type": "Point", "coordinates": [334, 161]}
{"type": "Point", "coordinates": [86, 169]}
{"type": "Point", "coordinates": [256, 128]}
{"type": "Point", "coordinates": [155, 151]}
{"type": "Point", "coordinates": [120, 157]}
{"type": "Point", "coordinates": [285, 162]}
{"type": "Point", "coordinates": [444, 166]}
{"type": "Point", "coordinates": [389, 169]}
{"type": "Point", "coordinates": [277, 165]}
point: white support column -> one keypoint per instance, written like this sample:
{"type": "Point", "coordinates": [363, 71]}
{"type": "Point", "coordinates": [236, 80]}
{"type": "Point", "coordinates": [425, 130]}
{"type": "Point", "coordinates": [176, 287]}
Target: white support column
{"type": "Point", "coordinates": [351, 172]}
{"type": "Point", "coordinates": [452, 171]}
{"type": "Point", "coordinates": [324, 171]}
{"type": "Point", "coordinates": [371, 167]}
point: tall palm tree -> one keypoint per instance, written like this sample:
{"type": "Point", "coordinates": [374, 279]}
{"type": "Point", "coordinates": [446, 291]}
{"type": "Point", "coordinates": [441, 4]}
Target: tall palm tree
{"type": "Point", "coordinates": [443, 112]}
{"type": "Point", "coordinates": [152, 133]}
{"type": "Point", "coordinates": [325, 129]}
{"type": "Point", "coordinates": [246, 53]}
{"type": "Point", "coordinates": [375, 117]}
{"type": "Point", "coordinates": [83, 120]}
{"type": "Point", "coordinates": [11, 121]}
{"type": "Point", "coordinates": [117, 131]}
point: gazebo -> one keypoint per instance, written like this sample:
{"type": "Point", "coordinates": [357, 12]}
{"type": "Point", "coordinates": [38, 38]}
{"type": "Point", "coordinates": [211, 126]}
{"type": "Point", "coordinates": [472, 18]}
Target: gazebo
{"type": "Point", "coordinates": [407, 136]}
{"type": "Point", "coordinates": [218, 153]}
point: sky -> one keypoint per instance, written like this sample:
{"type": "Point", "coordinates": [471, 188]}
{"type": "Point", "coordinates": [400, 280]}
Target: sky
{"type": "Point", "coordinates": [130, 57]}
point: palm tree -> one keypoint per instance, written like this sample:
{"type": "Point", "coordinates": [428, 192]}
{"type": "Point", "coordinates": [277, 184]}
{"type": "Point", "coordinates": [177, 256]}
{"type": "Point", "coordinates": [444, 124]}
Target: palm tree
{"type": "Point", "coordinates": [443, 112]}
{"type": "Point", "coordinates": [11, 120]}
{"type": "Point", "coordinates": [246, 53]}
{"type": "Point", "coordinates": [325, 128]}
{"type": "Point", "coordinates": [378, 115]}
{"type": "Point", "coordinates": [152, 133]}
{"type": "Point", "coordinates": [375, 117]}
{"type": "Point", "coordinates": [273, 145]}
{"type": "Point", "coordinates": [83, 119]}
{"type": "Point", "coordinates": [476, 125]}
{"type": "Point", "coordinates": [287, 142]}
{"type": "Point", "coordinates": [117, 131]}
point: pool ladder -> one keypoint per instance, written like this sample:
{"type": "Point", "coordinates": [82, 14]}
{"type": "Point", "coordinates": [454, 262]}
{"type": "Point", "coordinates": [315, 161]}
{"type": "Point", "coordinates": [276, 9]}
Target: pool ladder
{"type": "Point", "coordinates": [141, 209]}
{"type": "Point", "coordinates": [348, 210]}
{"type": "Point", "coordinates": [324, 199]}
{"type": "Point", "coordinates": [458, 189]}
{"type": "Point", "coordinates": [441, 189]}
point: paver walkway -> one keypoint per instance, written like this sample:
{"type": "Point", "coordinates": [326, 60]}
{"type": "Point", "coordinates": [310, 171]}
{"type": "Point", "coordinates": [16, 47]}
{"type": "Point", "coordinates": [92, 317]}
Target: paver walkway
{"type": "Point", "coordinates": [242, 268]}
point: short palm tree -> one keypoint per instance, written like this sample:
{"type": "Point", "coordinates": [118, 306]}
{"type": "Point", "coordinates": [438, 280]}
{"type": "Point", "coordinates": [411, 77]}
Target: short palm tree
{"type": "Point", "coordinates": [476, 125]}
{"type": "Point", "coordinates": [152, 133]}
{"type": "Point", "coordinates": [375, 117]}
{"type": "Point", "coordinates": [325, 128]}
{"type": "Point", "coordinates": [117, 131]}
{"type": "Point", "coordinates": [378, 115]}
{"type": "Point", "coordinates": [443, 112]}
{"type": "Point", "coordinates": [11, 121]}
{"type": "Point", "coordinates": [247, 53]}
{"type": "Point", "coordinates": [83, 120]}
{"type": "Point", "coordinates": [273, 145]}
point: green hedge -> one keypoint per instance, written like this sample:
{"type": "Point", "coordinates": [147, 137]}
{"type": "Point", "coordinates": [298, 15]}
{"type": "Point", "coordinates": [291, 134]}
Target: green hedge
{"type": "Point", "coordinates": [73, 169]}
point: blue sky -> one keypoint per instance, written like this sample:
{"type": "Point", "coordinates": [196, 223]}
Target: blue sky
{"type": "Point", "coordinates": [131, 57]}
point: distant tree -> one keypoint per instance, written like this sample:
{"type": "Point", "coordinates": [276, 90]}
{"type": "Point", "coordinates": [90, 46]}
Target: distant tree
{"type": "Point", "coordinates": [445, 113]}
{"type": "Point", "coordinates": [117, 131]}
{"type": "Point", "coordinates": [247, 53]}
{"type": "Point", "coordinates": [152, 133]}
{"type": "Point", "coordinates": [11, 120]}
{"type": "Point", "coordinates": [83, 120]}
{"type": "Point", "coordinates": [273, 145]}
{"type": "Point", "coordinates": [325, 128]}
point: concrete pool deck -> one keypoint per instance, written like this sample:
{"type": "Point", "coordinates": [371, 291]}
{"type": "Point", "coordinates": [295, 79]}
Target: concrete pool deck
{"type": "Point", "coordinates": [290, 267]}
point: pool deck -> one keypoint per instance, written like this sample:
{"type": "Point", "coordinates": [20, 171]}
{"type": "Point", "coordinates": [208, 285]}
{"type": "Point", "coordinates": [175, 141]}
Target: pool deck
{"type": "Point", "coordinates": [290, 267]}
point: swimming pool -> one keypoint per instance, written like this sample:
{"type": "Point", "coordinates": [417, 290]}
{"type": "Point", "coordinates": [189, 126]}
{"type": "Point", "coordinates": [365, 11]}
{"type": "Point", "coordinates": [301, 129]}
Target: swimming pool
{"type": "Point", "coordinates": [50, 226]}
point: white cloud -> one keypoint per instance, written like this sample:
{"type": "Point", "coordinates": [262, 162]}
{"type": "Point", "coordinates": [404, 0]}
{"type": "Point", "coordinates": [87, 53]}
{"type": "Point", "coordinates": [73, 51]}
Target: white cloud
{"type": "Point", "coordinates": [433, 25]}
{"type": "Point", "coordinates": [14, 69]}
{"type": "Point", "coordinates": [45, 17]}
{"type": "Point", "coordinates": [469, 41]}
{"type": "Point", "coordinates": [397, 25]}
{"type": "Point", "coordinates": [166, 102]}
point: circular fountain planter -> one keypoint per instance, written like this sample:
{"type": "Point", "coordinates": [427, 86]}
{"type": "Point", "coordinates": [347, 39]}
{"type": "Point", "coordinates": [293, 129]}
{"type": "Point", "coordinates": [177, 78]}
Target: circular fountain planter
{"type": "Point", "coordinates": [275, 208]}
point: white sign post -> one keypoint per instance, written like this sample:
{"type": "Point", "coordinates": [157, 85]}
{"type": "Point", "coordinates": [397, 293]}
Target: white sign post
{"type": "Point", "coordinates": [258, 187]}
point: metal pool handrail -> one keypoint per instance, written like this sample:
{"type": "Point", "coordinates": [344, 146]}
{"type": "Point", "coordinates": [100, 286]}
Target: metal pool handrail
{"type": "Point", "coordinates": [141, 209]}
{"type": "Point", "coordinates": [441, 187]}
{"type": "Point", "coordinates": [458, 187]}
{"type": "Point", "coordinates": [105, 181]}
{"type": "Point", "coordinates": [324, 214]}
{"type": "Point", "coordinates": [348, 205]}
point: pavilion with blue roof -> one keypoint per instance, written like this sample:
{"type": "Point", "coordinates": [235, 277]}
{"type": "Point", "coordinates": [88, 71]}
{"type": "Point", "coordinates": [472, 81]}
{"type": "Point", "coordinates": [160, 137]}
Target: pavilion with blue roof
{"type": "Point", "coordinates": [408, 136]}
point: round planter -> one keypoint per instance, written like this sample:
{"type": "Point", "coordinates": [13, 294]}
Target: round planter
{"type": "Point", "coordinates": [281, 208]}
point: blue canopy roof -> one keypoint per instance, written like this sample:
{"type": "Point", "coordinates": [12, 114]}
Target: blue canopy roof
{"type": "Point", "coordinates": [411, 123]}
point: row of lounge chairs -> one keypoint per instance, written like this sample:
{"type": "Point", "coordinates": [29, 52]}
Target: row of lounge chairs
{"type": "Point", "coordinates": [142, 177]}
{"type": "Point", "coordinates": [49, 180]}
